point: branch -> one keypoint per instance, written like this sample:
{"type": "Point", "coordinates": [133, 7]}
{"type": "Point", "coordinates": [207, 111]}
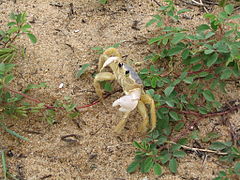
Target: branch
{"type": "Point", "coordinates": [198, 149]}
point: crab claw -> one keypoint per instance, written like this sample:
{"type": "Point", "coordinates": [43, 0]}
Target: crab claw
{"type": "Point", "coordinates": [108, 61]}
{"type": "Point", "coordinates": [128, 102]}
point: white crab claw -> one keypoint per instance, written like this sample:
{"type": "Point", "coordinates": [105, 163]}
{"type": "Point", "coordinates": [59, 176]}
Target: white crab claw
{"type": "Point", "coordinates": [128, 102]}
{"type": "Point", "coordinates": [108, 61]}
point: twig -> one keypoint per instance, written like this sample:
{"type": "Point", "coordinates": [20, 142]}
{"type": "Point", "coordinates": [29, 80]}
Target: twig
{"type": "Point", "coordinates": [198, 149]}
{"type": "Point", "coordinates": [157, 3]}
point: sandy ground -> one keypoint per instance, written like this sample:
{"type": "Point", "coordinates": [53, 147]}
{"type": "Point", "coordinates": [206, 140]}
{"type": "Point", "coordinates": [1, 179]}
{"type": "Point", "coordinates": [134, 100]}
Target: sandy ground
{"type": "Point", "coordinates": [65, 38]}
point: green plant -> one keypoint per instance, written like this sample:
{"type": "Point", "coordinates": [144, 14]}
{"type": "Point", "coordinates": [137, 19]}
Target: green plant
{"type": "Point", "coordinates": [16, 28]}
{"type": "Point", "coordinates": [103, 1]}
{"type": "Point", "coordinates": [196, 64]}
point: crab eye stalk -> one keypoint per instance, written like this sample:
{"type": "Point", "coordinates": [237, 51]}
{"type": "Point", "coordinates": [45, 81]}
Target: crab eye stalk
{"type": "Point", "coordinates": [120, 64]}
{"type": "Point", "coordinates": [127, 72]}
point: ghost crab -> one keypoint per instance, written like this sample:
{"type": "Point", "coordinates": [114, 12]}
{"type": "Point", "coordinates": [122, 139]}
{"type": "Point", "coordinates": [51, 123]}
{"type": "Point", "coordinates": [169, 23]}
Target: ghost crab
{"type": "Point", "coordinates": [132, 87]}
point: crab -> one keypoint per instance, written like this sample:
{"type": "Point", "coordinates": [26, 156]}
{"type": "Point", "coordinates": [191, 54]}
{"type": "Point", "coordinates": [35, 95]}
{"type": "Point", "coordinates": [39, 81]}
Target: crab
{"type": "Point", "coordinates": [132, 86]}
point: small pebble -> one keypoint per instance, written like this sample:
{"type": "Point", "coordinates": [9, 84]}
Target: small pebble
{"type": "Point", "coordinates": [61, 86]}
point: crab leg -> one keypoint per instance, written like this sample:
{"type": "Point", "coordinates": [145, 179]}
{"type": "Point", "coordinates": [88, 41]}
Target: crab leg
{"type": "Point", "coordinates": [103, 76]}
{"type": "Point", "coordinates": [101, 61]}
{"type": "Point", "coordinates": [143, 111]}
{"type": "Point", "coordinates": [147, 99]}
{"type": "Point", "coordinates": [122, 123]}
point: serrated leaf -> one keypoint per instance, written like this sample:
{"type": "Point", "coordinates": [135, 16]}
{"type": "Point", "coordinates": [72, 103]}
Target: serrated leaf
{"type": "Point", "coordinates": [208, 95]}
{"type": "Point", "coordinates": [157, 169]}
{"type": "Point", "coordinates": [133, 166]}
{"type": "Point", "coordinates": [82, 70]}
{"type": "Point", "coordinates": [32, 38]}
{"type": "Point", "coordinates": [229, 9]}
{"type": "Point", "coordinates": [179, 154]}
{"type": "Point", "coordinates": [173, 165]}
{"type": "Point", "coordinates": [174, 115]}
{"type": "Point", "coordinates": [212, 59]}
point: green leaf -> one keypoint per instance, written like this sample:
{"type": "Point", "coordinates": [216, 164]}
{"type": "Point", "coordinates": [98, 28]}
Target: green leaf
{"type": "Point", "coordinates": [202, 110]}
{"type": "Point", "coordinates": [8, 78]}
{"type": "Point", "coordinates": [154, 82]}
{"type": "Point", "coordinates": [137, 145]}
{"type": "Point", "coordinates": [147, 165]}
{"type": "Point", "coordinates": [234, 17]}
{"type": "Point", "coordinates": [208, 51]}
{"type": "Point", "coordinates": [185, 53]}
{"type": "Point", "coordinates": [11, 23]}
{"type": "Point", "coordinates": [178, 37]}
{"type": "Point", "coordinates": [174, 115]}
{"type": "Point", "coordinates": [212, 59]}
{"type": "Point", "coordinates": [197, 67]}
{"type": "Point", "coordinates": [107, 86]}
{"type": "Point", "coordinates": [149, 23]}
{"type": "Point", "coordinates": [155, 39]}
{"type": "Point", "coordinates": [175, 147]}
{"type": "Point", "coordinates": [165, 158]}
{"type": "Point", "coordinates": [173, 165]}
{"type": "Point", "coordinates": [168, 90]}
{"type": "Point", "coordinates": [175, 50]}
{"type": "Point", "coordinates": [203, 27]}
{"type": "Point", "coordinates": [133, 166]}
{"type": "Point", "coordinates": [13, 30]}
{"type": "Point", "coordinates": [4, 164]}
{"type": "Point", "coordinates": [82, 70]}
{"type": "Point", "coordinates": [229, 9]}
{"type": "Point", "coordinates": [183, 11]}
{"type": "Point", "coordinates": [237, 168]}
{"type": "Point", "coordinates": [179, 126]}
{"type": "Point", "coordinates": [208, 95]}
{"type": "Point", "coordinates": [32, 38]}
{"type": "Point", "coordinates": [218, 146]}
{"type": "Point", "coordinates": [13, 132]}
{"type": "Point", "coordinates": [194, 59]}
{"type": "Point", "coordinates": [188, 80]}
{"type": "Point", "coordinates": [179, 154]}
{"type": "Point", "coordinates": [226, 73]}
{"type": "Point", "coordinates": [103, 1]}
{"type": "Point", "coordinates": [157, 169]}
